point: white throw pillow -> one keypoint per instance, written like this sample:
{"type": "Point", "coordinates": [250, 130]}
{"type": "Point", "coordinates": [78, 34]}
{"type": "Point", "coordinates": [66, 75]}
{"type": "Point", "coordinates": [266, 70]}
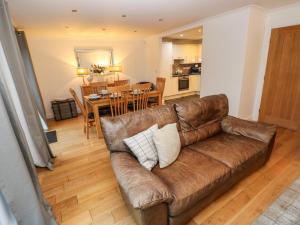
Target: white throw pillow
{"type": "Point", "coordinates": [143, 147]}
{"type": "Point", "coordinates": [167, 143]}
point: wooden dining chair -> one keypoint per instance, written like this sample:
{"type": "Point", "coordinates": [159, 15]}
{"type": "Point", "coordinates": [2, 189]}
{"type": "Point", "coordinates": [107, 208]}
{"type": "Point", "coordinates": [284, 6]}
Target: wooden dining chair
{"type": "Point", "coordinates": [160, 86]}
{"type": "Point", "coordinates": [143, 86]}
{"type": "Point", "coordinates": [98, 86]}
{"type": "Point", "coordinates": [121, 82]}
{"type": "Point", "coordinates": [85, 90]}
{"type": "Point", "coordinates": [118, 103]}
{"type": "Point", "coordinates": [111, 84]}
{"type": "Point", "coordinates": [120, 89]}
{"type": "Point", "coordinates": [89, 120]}
{"type": "Point", "coordinates": [119, 99]}
{"type": "Point", "coordinates": [140, 95]}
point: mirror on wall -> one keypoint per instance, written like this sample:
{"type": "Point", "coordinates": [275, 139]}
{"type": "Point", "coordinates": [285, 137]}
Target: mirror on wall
{"type": "Point", "coordinates": [98, 60]}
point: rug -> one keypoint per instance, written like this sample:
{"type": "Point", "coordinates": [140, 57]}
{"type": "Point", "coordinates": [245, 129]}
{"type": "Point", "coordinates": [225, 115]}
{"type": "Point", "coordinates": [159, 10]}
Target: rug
{"type": "Point", "coordinates": [285, 210]}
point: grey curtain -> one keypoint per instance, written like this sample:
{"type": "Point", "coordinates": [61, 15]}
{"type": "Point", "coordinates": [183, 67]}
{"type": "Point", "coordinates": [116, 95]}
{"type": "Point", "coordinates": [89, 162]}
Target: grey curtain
{"type": "Point", "coordinates": [21, 201]}
{"type": "Point", "coordinates": [6, 215]}
{"type": "Point", "coordinates": [36, 139]}
{"type": "Point", "coordinates": [30, 73]}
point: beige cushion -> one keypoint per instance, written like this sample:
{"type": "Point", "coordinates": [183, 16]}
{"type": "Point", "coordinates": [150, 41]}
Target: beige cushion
{"type": "Point", "coordinates": [167, 143]}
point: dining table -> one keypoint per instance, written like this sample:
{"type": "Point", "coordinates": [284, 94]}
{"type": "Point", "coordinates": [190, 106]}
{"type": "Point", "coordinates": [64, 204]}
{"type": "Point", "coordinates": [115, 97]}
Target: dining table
{"type": "Point", "coordinates": [103, 100]}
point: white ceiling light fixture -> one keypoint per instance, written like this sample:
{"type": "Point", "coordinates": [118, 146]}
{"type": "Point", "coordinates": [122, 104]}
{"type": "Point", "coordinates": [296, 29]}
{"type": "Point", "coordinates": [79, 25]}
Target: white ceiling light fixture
{"type": "Point", "coordinates": [181, 35]}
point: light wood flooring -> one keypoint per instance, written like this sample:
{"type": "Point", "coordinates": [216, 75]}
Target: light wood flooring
{"type": "Point", "coordinates": [83, 191]}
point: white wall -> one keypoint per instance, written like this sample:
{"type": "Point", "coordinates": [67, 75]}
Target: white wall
{"type": "Point", "coordinates": [255, 36]}
{"type": "Point", "coordinates": [281, 17]}
{"type": "Point", "coordinates": [166, 58]}
{"type": "Point", "coordinates": [55, 64]}
{"type": "Point", "coordinates": [223, 57]}
{"type": "Point", "coordinates": [230, 56]}
{"type": "Point", "coordinates": [153, 57]}
{"type": "Point", "coordinates": [232, 46]}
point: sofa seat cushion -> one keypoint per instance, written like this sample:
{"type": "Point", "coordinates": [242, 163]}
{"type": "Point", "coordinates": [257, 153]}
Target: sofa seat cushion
{"type": "Point", "coordinates": [235, 151]}
{"type": "Point", "coordinates": [190, 178]}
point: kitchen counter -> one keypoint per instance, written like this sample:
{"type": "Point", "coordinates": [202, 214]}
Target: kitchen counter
{"type": "Point", "coordinates": [171, 87]}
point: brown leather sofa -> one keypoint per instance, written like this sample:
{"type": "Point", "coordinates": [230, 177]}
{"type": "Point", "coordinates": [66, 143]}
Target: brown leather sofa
{"type": "Point", "coordinates": [217, 151]}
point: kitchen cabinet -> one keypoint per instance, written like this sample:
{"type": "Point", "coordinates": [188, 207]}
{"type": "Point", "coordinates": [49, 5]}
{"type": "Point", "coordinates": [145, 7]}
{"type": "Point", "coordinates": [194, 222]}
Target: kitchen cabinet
{"type": "Point", "coordinates": [171, 87]}
{"type": "Point", "coordinates": [194, 83]}
{"type": "Point", "coordinates": [190, 53]}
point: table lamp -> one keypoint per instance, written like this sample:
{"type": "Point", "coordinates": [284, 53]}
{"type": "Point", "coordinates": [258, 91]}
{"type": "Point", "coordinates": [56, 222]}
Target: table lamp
{"type": "Point", "coordinates": [81, 72]}
{"type": "Point", "coordinates": [116, 69]}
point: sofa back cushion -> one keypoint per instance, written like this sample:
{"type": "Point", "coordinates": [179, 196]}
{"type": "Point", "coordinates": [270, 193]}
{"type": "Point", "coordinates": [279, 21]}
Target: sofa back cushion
{"type": "Point", "coordinates": [201, 118]}
{"type": "Point", "coordinates": [115, 129]}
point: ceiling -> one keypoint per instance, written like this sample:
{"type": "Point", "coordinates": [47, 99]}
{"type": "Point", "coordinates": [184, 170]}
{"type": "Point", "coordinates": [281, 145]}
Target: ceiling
{"type": "Point", "coordinates": [100, 17]}
{"type": "Point", "coordinates": [192, 34]}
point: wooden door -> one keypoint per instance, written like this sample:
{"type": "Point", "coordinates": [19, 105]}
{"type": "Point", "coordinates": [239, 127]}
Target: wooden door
{"type": "Point", "coordinates": [280, 102]}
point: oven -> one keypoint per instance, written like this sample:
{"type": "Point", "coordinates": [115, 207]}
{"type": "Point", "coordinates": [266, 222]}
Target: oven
{"type": "Point", "coordinates": [183, 83]}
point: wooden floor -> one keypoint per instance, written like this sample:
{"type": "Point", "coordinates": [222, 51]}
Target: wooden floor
{"type": "Point", "coordinates": [83, 191]}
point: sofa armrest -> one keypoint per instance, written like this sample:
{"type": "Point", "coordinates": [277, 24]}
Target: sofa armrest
{"type": "Point", "coordinates": [143, 188]}
{"type": "Point", "coordinates": [259, 131]}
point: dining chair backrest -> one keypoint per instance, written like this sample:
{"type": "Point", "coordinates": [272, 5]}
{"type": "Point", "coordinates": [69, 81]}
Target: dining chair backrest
{"type": "Point", "coordinates": [79, 104]}
{"type": "Point", "coordinates": [140, 95]}
{"type": "Point", "coordinates": [118, 103]}
{"type": "Point", "coordinates": [121, 82]}
{"type": "Point", "coordinates": [119, 89]}
{"type": "Point", "coordinates": [86, 90]}
{"type": "Point", "coordinates": [160, 84]}
{"type": "Point", "coordinates": [111, 84]}
{"type": "Point", "coordinates": [145, 86]}
{"type": "Point", "coordinates": [98, 86]}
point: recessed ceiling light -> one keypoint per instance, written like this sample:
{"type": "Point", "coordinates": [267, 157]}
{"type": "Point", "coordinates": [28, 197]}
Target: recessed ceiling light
{"type": "Point", "coordinates": [124, 15]}
{"type": "Point", "coordinates": [160, 19]}
{"type": "Point", "coordinates": [181, 35]}
{"type": "Point", "coordinates": [199, 30]}
{"type": "Point", "coordinates": [74, 10]}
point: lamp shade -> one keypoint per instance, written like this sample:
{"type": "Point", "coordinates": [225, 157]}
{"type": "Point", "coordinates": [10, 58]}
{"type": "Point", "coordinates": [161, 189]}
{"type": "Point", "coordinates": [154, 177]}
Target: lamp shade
{"type": "Point", "coordinates": [82, 71]}
{"type": "Point", "coordinates": [115, 68]}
